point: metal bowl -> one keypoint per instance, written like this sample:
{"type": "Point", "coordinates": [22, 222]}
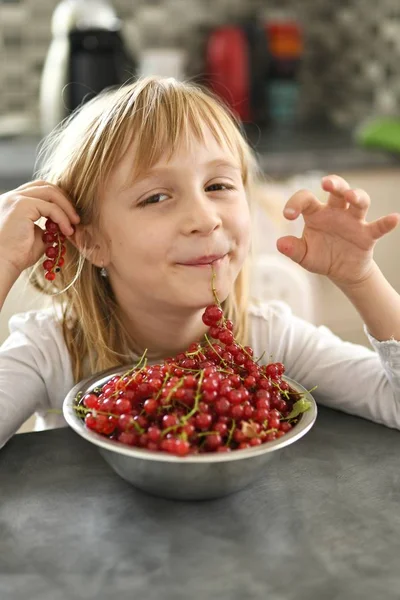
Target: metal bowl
{"type": "Point", "coordinates": [194, 477]}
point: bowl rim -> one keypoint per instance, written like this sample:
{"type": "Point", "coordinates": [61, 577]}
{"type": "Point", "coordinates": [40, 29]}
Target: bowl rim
{"type": "Point", "coordinates": [86, 385]}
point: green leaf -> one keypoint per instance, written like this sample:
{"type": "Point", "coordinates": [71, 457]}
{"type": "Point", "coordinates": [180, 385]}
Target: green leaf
{"type": "Point", "coordinates": [299, 407]}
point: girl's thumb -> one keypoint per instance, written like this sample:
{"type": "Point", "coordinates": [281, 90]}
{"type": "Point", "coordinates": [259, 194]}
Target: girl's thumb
{"type": "Point", "coordinates": [292, 247]}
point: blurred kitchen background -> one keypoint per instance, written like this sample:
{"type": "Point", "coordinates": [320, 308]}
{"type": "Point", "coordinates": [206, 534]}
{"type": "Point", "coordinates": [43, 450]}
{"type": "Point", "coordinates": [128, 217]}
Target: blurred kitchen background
{"type": "Point", "coordinates": [316, 84]}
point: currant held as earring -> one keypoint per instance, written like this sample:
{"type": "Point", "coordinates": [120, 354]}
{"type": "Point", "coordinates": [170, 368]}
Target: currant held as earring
{"type": "Point", "coordinates": [55, 250]}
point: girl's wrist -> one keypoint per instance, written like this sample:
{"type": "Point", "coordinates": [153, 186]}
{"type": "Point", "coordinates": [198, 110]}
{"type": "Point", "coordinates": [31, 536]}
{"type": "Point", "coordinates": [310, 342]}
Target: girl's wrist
{"type": "Point", "coordinates": [9, 269]}
{"type": "Point", "coordinates": [362, 282]}
{"type": "Point", "coordinates": [8, 276]}
{"type": "Point", "coordinates": [377, 303]}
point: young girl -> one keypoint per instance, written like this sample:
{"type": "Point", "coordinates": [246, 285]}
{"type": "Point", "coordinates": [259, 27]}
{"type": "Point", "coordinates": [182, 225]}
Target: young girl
{"type": "Point", "coordinates": [151, 185]}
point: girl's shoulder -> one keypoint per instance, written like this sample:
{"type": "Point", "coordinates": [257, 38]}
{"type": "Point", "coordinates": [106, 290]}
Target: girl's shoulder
{"type": "Point", "coordinates": [42, 317]}
{"type": "Point", "coordinates": [38, 325]}
{"type": "Point", "coordinates": [35, 353]}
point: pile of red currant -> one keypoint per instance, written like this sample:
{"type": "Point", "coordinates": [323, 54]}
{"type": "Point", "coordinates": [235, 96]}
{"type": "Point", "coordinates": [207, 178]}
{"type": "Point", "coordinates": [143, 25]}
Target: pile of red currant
{"type": "Point", "coordinates": [215, 397]}
{"type": "Point", "coordinates": [55, 250]}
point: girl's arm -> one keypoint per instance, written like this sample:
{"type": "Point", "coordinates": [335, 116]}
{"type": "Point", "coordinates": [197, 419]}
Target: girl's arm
{"type": "Point", "coordinates": [346, 376]}
{"type": "Point", "coordinates": [378, 304]}
{"type": "Point", "coordinates": [8, 276]}
{"type": "Point", "coordinates": [35, 372]}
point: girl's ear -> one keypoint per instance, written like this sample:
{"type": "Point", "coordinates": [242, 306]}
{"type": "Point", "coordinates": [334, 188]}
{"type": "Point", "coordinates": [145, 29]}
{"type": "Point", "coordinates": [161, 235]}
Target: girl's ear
{"type": "Point", "coordinates": [89, 245]}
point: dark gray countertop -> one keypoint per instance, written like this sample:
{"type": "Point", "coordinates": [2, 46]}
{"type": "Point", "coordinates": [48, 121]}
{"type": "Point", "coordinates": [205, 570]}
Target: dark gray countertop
{"type": "Point", "coordinates": [287, 152]}
{"type": "Point", "coordinates": [322, 524]}
{"type": "Point", "coordinates": [282, 153]}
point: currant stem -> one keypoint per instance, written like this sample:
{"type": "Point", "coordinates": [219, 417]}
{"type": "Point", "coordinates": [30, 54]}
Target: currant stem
{"type": "Point", "coordinates": [167, 376]}
{"type": "Point", "coordinates": [196, 399]}
{"type": "Point", "coordinates": [59, 244]}
{"type": "Point", "coordinates": [212, 347]}
{"type": "Point", "coordinates": [232, 429]}
{"type": "Point", "coordinates": [205, 433]}
{"type": "Point", "coordinates": [214, 291]}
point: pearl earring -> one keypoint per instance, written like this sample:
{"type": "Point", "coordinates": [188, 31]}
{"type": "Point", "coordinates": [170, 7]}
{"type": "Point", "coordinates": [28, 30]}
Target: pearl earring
{"type": "Point", "coordinates": [103, 272]}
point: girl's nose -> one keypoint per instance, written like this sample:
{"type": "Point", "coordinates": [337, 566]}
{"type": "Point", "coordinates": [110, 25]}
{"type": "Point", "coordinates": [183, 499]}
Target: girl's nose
{"type": "Point", "coordinates": [201, 214]}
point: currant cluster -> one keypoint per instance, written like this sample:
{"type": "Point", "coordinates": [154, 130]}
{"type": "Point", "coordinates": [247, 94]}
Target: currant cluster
{"type": "Point", "coordinates": [55, 250]}
{"type": "Point", "coordinates": [214, 397]}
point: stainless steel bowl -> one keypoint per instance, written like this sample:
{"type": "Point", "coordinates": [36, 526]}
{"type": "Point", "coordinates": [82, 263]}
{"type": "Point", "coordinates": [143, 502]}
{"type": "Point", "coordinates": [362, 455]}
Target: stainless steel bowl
{"type": "Point", "coordinates": [194, 477]}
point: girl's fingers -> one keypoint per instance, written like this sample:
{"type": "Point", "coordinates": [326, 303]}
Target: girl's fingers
{"type": "Point", "coordinates": [384, 225]}
{"type": "Point", "coordinates": [302, 202]}
{"type": "Point", "coordinates": [57, 214]}
{"type": "Point", "coordinates": [359, 203]}
{"type": "Point", "coordinates": [29, 184]}
{"type": "Point", "coordinates": [342, 196]}
{"type": "Point", "coordinates": [337, 187]}
{"type": "Point", "coordinates": [34, 209]}
{"type": "Point", "coordinates": [47, 191]}
{"type": "Point", "coordinates": [292, 247]}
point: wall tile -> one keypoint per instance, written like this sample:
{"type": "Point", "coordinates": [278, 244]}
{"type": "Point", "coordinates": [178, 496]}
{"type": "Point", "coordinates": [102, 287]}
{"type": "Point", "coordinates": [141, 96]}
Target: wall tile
{"type": "Point", "coordinates": [351, 66]}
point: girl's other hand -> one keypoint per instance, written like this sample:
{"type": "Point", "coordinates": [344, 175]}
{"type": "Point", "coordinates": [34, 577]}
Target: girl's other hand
{"type": "Point", "coordinates": [337, 241]}
{"type": "Point", "coordinates": [21, 243]}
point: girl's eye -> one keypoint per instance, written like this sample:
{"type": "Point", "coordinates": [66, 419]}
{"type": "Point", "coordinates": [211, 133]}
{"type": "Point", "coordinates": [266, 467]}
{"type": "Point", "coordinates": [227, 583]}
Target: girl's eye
{"type": "Point", "coordinates": [155, 199]}
{"type": "Point", "coordinates": [218, 187]}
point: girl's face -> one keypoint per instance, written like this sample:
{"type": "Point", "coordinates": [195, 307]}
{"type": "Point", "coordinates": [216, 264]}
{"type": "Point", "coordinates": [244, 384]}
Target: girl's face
{"type": "Point", "coordinates": [166, 230]}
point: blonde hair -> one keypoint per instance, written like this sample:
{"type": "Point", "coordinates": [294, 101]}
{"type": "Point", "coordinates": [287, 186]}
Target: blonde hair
{"type": "Point", "coordinates": [80, 154]}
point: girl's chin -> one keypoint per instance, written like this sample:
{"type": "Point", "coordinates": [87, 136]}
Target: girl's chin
{"type": "Point", "coordinates": [195, 285]}
{"type": "Point", "coordinates": [199, 296]}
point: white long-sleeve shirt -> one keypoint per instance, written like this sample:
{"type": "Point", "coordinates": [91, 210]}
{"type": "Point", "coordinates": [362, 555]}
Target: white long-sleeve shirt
{"type": "Point", "coordinates": [36, 371]}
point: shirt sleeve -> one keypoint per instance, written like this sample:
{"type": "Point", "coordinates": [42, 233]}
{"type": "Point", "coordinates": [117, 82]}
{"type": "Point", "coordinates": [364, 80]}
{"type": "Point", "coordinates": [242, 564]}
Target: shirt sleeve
{"type": "Point", "coordinates": [34, 371]}
{"type": "Point", "coordinates": [353, 378]}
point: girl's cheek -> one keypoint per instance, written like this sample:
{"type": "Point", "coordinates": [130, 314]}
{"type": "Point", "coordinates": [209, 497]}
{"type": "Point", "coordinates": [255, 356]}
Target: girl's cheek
{"type": "Point", "coordinates": [242, 219]}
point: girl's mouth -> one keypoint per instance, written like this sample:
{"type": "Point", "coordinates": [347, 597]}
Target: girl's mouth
{"type": "Point", "coordinates": [205, 261]}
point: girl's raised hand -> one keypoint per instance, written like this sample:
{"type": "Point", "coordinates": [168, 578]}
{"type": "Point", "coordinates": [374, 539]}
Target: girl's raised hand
{"type": "Point", "coordinates": [21, 243]}
{"type": "Point", "coordinates": [337, 241]}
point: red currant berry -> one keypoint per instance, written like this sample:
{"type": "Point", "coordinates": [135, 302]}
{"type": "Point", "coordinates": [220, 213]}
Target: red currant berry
{"type": "Point", "coordinates": [90, 421]}
{"type": "Point", "coordinates": [48, 265]}
{"type": "Point", "coordinates": [169, 421]}
{"type": "Point", "coordinates": [212, 315]}
{"type": "Point", "coordinates": [249, 382]}
{"type": "Point", "coordinates": [181, 447]}
{"type": "Point", "coordinates": [203, 421]}
{"type": "Point", "coordinates": [221, 428]}
{"type": "Point", "coordinates": [222, 406]}
{"type": "Point", "coordinates": [126, 422]}
{"type": "Point", "coordinates": [272, 371]}
{"type": "Point", "coordinates": [48, 237]}
{"type": "Point", "coordinates": [128, 437]}
{"type": "Point", "coordinates": [255, 441]}
{"type": "Point", "coordinates": [122, 406]}
{"type": "Point", "coordinates": [91, 401]}
{"type": "Point", "coordinates": [285, 426]}
{"type": "Point", "coordinates": [214, 332]}
{"type": "Point", "coordinates": [226, 336]}
{"type": "Point", "coordinates": [51, 226]}
{"type": "Point", "coordinates": [223, 449]}
{"type": "Point", "coordinates": [51, 252]}
{"type": "Point", "coordinates": [213, 441]}
{"type": "Point", "coordinates": [151, 406]}
{"type": "Point", "coordinates": [237, 412]}
{"type": "Point", "coordinates": [261, 415]}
